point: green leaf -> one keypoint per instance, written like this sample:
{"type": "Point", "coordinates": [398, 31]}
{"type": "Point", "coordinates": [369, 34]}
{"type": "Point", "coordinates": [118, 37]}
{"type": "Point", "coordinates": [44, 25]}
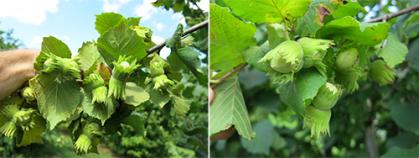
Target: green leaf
{"type": "Point", "coordinates": [268, 11]}
{"type": "Point", "coordinates": [413, 56]}
{"type": "Point", "coordinates": [157, 97]}
{"type": "Point", "coordinates": [135, 95]}
{"type": "Point", "coordinates": [302, 90]}
{"type": "Point", "coordinates": [133, 21]}
{"type": "Point", "coordinates": [188, 58]}
{"type": "Point", "coordinates": [278, 142]}
{"type": "Point", "coordinates": [254, 54]}
{"type": "Point", "coordinates": [228, 109]}
{"type": "Point", "coordinates": [57, 99]}
{"type": "Point", "coordinates": [101, 111]}
{"type": "Point", "coordinates": [120, 40]}
{"type": "Point", "coordinates": [405, 115]}
{"type": "Point", "coordinates": [33, 135]}
{"type": "Point", "coordinates": [393, 52]}
{"type": "Point", "coordinates": [284, 119]}
{"type": "Point", "coordinates": [403, 139]}
{"type": "Point", "coordinates": [313, 19]}
{"type": "Point", "coordinates": [411, 26]}
{"type": "Point", "coordinates": [349, 28]}
{"type": "Point", "coordinates": [174, 41]}
{"type": "Point", "coordinates": [263, 140]}
{"type": "Point", "coordinates": [105, 21]}
{"type": "Point", "coordinates": [348, 9]}
{"type": "Point", "coordinates": [55, 46]}
{"type": "Point", "coordinates": [181, 105]}
{"type": "Point", "coordinates": [401, 152]}
{"type": "Point", "coordinates": [51, 45]}
{"type": "Point", "coordinates": [276, 34]}
{"type": "Point", "coordinates": [229, 38]}
{"type": "Point", "coordinates": [136, 120]}
{"type": "Point", "coordinates": [88, 56]}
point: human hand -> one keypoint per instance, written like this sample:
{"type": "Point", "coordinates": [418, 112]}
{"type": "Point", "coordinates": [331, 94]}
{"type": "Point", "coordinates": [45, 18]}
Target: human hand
{"type": "Point", "coordinates": [16, 67]}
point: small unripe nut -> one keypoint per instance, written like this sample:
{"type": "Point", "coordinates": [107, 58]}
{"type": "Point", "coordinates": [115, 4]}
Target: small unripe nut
{"type": "Point", "coordinates": [327, 96]}
{"type": "Point", "coordinates": [28, 94]}
{"type": "Point", "coordinates": [347, 59]}
{"type": "Point", "coordinates": [286, 57]}
{"type": "Point", "coordinates": [382, 73]}
{"type": "Point", "coordinates": [314, 50]}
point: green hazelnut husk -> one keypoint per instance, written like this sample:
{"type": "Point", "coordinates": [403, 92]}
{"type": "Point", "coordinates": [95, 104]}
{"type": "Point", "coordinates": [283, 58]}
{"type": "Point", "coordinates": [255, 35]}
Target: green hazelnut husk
{"type": "Point", "coordinates": [287, 57]}
{"type": "Point", "coordinates": [349, 78]}
{"type": "Point", "coordinates": [314, 50]}
{"type": "Point", "coordinates": [381, 73]}
{"type": "Point", "coordinates": [96, 83]}
{"type": "Point", "coordinates": [28, 94]}
{"type": "Point", "coordinates": [157, 65]}
{"type": "Point", "coordinates": [122, 69]}
{"type": "Point", "coordinates": [327, 96]}
{"type": "Point", "coordinates": [66, 67]}
{"type": "Point", "coordinates": [317, 120]}
{"type": "Point", "coordinates": [161, 82]}
{"type": "Point", "coordinates": [347, 59]}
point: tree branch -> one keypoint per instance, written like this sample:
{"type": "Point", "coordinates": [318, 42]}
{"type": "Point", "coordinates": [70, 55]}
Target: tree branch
{"type": "Point", "coordinates": [196, 5]}
{"type": "Point", "coordinates": [370, 141]}
{"type": "Point", "coordinates": [396, 14]}
{"type": "Point", "coordinates": [227, 75]}
{"type": "Point", "coordinates": [186, 32]}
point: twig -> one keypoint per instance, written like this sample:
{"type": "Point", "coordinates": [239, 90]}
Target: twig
{"type": "Point", "coordinates": [186, 32]}
{"type": "Point", "coordinates": [227, 75]}
{"type": "Point", "coordinates": [396, 14]}
{"type": "Point", "coordinates": [196, 5]}
{"type": "Point", "coordinates": [195, 27]}
{"type": "Point", "coordinates": [370, 141]}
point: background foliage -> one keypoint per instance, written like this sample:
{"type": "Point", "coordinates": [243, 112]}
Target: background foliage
{"type": "Point", "coordinates": [374, 121]}
{"type": "Point", "coordinates": [7, 41]}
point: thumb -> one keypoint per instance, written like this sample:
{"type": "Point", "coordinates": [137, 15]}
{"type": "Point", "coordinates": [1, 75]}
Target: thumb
{"type": "Point", "coordinates": [211, 95]}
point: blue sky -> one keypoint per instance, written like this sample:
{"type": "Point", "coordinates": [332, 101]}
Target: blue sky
{"type": "Point", "coordinates": [72, 21]}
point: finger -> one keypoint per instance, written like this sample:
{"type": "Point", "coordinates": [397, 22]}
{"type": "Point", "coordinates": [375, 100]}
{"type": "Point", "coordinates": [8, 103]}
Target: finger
{"type": "Point", "coordinates": [211, 95]}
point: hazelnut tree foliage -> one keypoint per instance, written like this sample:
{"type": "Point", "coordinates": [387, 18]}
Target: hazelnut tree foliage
{"type": "Point", "coordinates": [7, 41]}
{"type": "Point", "coordinates": [114, 92]}
{"type": "Point", "coordinates": [295, 64]}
